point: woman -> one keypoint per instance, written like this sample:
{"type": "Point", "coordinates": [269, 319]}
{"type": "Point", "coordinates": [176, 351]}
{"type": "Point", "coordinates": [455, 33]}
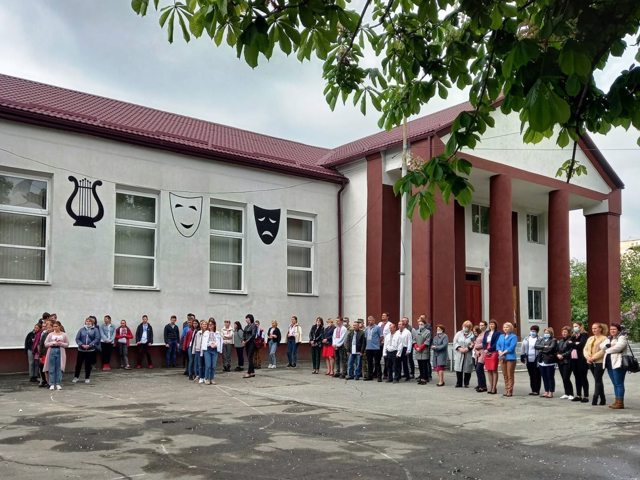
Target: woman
{"type": "Point", "coordinates": [315, 340]}
{"type": "Point", "coordinates": [248, 341]}
{"type": "Point", "coordinates": [274, 335]}
{"type": "Point", "coordinates": [122, 338]}
{"type": "Point", "coordinates": [440, 349]}
{"type": "Point", "coordinates": [480, 331]}
{"type": "Point", "coordinates": [489, 343]}
{"type": "Point", "coordinates": [327, 348]}
{"type": "Point", "coordinates": [615, 346]}
{"type": "Point", "coordinates": [563, 356]}
{"type": "Point", "coordinates": [88, 341]}
{"type": "Point", "coordinates": [28, 348]}
{"type": "Point", "coordinates": [421, 340]}
{"type": "Point", "coordinates": [594, 356]}
{"type": "Point", "coordinates": [193, 355]}
{"type": "Point", "coordinates": [547, 349]}
{"type": "Point", "coordinates": [238, 335]}
{"type": "Point", "coordinates": [506, 348]}
{"type": "Point", "coordinates": [463, 354]}
{"type": "Point", "coordinates": [579, 367]}
{"type": "Point", "coordinates": [56, 342]}
{"type": "Point", "coordinates": [529, 356]}
{"type": "Point", "coordinates": [294, 337]}
{"type": "Point", "coordinates": [210, 349]}
{"type": "Point", "coordinates": [196, 351]}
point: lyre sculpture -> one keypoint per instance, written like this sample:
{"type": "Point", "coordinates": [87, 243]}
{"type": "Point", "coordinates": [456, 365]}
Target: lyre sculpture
{"type": "Point", "coordinates": [86, 193]}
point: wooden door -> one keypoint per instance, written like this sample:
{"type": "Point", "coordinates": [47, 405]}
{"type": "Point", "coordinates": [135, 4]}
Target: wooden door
{"type": "Point", "coordinates": [473, 297]}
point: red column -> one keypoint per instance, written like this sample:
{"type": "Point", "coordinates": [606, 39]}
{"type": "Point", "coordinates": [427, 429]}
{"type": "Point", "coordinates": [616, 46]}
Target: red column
{"type": "Point", "coordinates": [443, 264]}
{"type": "Point", "coordinates": [460, 265]}
{"type": "Point", "coordinates": [559, 291]}
{"type": "Point", "coordinates": [500, 250]}
{"type": "Point", "coordinates": [603, 267]}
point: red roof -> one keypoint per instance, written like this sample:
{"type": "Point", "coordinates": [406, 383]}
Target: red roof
{"type": "Point", "coordinates": [49, 105]}
{"type": "Point", "coordinates": [418, 128]}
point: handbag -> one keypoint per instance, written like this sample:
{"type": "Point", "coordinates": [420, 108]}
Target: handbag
{"type": "Point", "coordinates": [630, 362]}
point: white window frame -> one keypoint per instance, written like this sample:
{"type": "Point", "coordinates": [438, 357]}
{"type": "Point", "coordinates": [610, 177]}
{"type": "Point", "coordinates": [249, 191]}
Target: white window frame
{"type": "Point", "coordinates": [223, 233]}
{"type": "Point", "coordinates": [138, 224]}
{"type": "Point", "coordinates": [301, 243]}
{"type": "Point", "coordinates": [532, 307]}
{"type": "Point", "coordinates": [541, 230]}
{"type": "Point", "coordinates": [481, 208]}
{"type": "Point", "coordinates": [34, 212]}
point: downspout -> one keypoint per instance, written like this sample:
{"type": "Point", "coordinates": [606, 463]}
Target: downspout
{"type": "Point", "coordinates": [344, 183]}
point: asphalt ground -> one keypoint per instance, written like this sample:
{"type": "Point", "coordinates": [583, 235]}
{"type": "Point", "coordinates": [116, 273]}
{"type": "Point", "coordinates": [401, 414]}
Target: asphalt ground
{"type": "Point", "coordinates": [290, 424]}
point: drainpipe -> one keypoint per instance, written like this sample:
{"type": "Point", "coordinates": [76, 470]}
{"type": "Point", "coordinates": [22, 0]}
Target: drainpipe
{"type": "Point", "coordinates": [340, 283]}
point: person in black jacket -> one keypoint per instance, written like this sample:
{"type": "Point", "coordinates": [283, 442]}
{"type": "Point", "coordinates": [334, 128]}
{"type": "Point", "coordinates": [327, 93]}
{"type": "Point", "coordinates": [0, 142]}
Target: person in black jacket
{"type": "Point", "coordinates": [563, 355]}
{"type": "Point", "coordinates": [547, 349]}
{"type": "Point", "coordinates": [273, 340]}
{"type": "Point", "coordinates": [315, 340]}
{"type": "Point", "coordinates": [579, 367]}
{"type": "Point", "coordinates": [355, 344]}
{"type": "Point", "coordinates": [248, 341]}
{"type": "Point", "coordinates": [171, 340]}
{"type": "Point", "coordinates": [28, 348]}
{"type": "Point", "coordinates": [144, 338]}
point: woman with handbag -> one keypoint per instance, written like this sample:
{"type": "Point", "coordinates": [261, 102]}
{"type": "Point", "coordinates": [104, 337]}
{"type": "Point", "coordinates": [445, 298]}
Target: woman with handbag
{"type": "Point", "coordinates": [421, 340]}
{"type": "Point", "coordinates": [463, 354]}
{"type": "Point", "coordinates": [615, 348]}
{"type": "Point", "coordinates": [440, 347]}
{"type": "Point", "coordinates": [594, 357]}
{"type": "Point", "coordinates": [489, 343]}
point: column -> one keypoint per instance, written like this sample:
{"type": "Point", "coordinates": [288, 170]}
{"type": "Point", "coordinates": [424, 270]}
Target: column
{"type": "Point", "coordinates": [559, 291]}
{"type": "Point", "coordinates": [443, 264]}
{"type": "Point", "coordinates": [500, 250]}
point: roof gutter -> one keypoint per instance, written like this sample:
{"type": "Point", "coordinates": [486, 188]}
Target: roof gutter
{"type": "Point", "coordinates": [340, 265]}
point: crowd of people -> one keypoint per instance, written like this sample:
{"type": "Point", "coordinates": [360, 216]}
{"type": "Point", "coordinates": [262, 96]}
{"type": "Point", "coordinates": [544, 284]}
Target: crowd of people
{"type": "Point", "coordinates": [378, 351]}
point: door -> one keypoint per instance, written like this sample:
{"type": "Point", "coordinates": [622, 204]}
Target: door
{"type": "Point", "coordinates": [473, 297]}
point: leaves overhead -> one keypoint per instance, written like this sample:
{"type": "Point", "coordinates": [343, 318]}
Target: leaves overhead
{"type": "Point", "coordinates": [536, 58]}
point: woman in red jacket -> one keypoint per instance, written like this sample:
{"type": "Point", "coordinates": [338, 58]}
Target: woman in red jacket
{"type": "Point", "coordinates": [123, 336]}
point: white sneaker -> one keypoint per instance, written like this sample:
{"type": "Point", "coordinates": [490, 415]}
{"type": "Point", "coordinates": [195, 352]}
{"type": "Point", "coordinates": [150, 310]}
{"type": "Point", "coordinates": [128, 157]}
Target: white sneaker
{"type": "Point", "coordinates": [570, 397]}
{"type": "Point", "coordinates": [564, 397]}
{"type": "Point", "coordinates": [270, 365]}
{"type": "Point", "coordinates": [201, 380]}
{"type": "Point", "coordinates": [87, 380]}
{"type": "Point", "coordinates": [273, 366]}
{"type": "Point", "coordinates": [58, 387]}
{"type": "Point", "coordinates": [75, 380]}
{"type": "Point", "coordinates": [52, 387]}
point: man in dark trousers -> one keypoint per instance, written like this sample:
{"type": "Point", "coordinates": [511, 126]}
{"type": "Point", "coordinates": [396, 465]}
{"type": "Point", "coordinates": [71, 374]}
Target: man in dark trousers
{"type": "Point", "coordinates": [144, 338]}
{"type": "Point", "coordinates": [171, 340]}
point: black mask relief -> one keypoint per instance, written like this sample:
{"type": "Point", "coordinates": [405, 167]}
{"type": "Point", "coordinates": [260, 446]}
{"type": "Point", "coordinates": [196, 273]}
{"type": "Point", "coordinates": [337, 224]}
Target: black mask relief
{"type": "Point", "coordinates": [267, 223]}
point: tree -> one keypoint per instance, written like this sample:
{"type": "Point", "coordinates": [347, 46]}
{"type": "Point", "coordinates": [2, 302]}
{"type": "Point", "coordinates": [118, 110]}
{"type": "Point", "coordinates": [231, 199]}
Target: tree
{"type": "Point", "coordinates": [578, 280]}
{"type": "Point", "coordinates": [534, 57]}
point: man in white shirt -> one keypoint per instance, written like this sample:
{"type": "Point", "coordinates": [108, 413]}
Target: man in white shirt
{"type": "Point", "coordinates": [410, 362]}
{"type": "Point", "coordinates": [340, 355]}
{"type": "Point", "coordinates": [392, 350]}
{"type": "Point", "coordinates": [406, 342]}
{"type": "Point", "coordinates": [384, 327]}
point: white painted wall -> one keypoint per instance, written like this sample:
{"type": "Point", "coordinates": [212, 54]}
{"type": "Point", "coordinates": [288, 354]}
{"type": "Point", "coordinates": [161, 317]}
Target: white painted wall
{"type": "Point", "coordinates": [504, 144]}
{"type": "Point", "coordinates": [354, 238]}
{"type": "Point", "coordinates": [81, 259]}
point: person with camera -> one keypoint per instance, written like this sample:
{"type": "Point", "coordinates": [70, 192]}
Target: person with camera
{"type": "Point", "coordinates": [615, 346]}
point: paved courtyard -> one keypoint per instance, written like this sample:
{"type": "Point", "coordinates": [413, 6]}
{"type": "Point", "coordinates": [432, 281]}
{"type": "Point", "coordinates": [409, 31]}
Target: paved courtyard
{"type": "Point", "coordinates": [289, 424]}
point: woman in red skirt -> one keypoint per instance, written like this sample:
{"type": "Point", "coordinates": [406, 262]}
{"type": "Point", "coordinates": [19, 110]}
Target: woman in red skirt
{"type": "Point", "coordinates": [327, 347]}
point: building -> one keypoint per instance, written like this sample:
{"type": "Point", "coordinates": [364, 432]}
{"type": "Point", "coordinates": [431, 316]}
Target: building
{"type": "Point", "coordinates": [627, 245]}
{"type": "Point", "coordinates": [109, 207]}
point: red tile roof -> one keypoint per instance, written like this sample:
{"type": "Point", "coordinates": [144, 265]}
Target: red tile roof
{"type": "Point", "coordinates": [418, 128]}
{"type": "Point", "coordinates": [56, 106]}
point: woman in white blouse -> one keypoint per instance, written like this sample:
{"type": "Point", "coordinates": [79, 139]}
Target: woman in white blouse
{"type": "Point", "coordinates": [56, 342]}
{"type": "Point", "coordinates": [210, 348]}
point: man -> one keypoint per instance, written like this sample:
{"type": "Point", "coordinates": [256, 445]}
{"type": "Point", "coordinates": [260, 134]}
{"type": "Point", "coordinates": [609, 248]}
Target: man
{"type": "Point", "coordinates": [144, 338]}
{"type": "Point", "coordinates": [373, 335]}
{"type": "Point", "coordinates": [107, 340]}
{"type": "Point", "coordinates": [171, 339]}
{"type": "Point", "coordinates": [384, 328]}
{"type": "Point", "coordinates": [355, 342]}
{"type": "Point", "coordinates": [227, 345]}
{"type": "Point", "coordinates": [410, 329]}
{"type": "Point", "coordinates": [392, 349]}
{"type": "Point", "coordinates": [88, 340]}
{"type": "Point", "coordinates": [294, 337]}
{"type": "Point", "coordinates": [340, 353]}
{"type": "Point", "coordinates": [406, 342]}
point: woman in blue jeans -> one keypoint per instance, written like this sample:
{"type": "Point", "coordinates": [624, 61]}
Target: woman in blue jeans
{"type": "Point", "coordinates": [615, 346]}
{"type": "Point", "coordinates": [56, 342]}
{"type": "Point", "coordinates": [211, 347]}
{"type": "Point", "coordinates": [547, 350]}
{"type": "Point", "coordinates": [274, 336]}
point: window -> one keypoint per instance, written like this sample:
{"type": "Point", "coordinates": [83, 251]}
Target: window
{"type": "Point", "coordinates": [136, 239]}
{"type": "Point", "coordinates": [479, 219]}
{"type": "Point", "coordinates": [226, 242]}
{"type": "Point", "coordinates": [536, 297]}
{"type": "Point", "coordinates": [535, 234]}
{"type": "Point", "coordinates": [24, 226]}
{"type": "Point", "coordinates": [300, 255]}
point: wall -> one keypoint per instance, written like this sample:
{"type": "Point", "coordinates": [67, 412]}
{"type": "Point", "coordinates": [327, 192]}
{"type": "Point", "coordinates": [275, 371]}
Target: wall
{"type": "Point", "coordinates": [81, 259]}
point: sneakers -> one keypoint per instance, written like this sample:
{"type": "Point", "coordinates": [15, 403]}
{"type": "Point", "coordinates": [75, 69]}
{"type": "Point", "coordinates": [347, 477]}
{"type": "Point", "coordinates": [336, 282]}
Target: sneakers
{"type": "Point", "coordinates": [564, 397]}
{"type": "Point", "coordinates": [128, 367]}
{"type": "Point", "coordinates": [87, 380]}
{"type": "Point", "coordinates": [570, 397]}
{"type": "Point", "coordinates": [58, 387]}
{"type": "Point", "coordinates": [201, 380]}
{"type": "Point", "coordinates": [270, 365]}
{"type": "Point", "coordinates": [196, 380]}
{"type": "Point", "coordinates": [207, 382]}
{"type": "Point", "coordinates": [52, 387]}
{"type": "Point", "coordinates": [75, 380]}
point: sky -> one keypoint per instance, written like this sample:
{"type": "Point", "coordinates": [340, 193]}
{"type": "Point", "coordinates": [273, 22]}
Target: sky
{"type": "Point", "coordinates": [103, 48]}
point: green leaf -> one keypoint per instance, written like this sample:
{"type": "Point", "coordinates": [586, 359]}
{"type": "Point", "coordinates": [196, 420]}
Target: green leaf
{"type": "Point", "coordinates": [306, 16]}
{"type": "Point", "coordinates": [618, 47]}
{"type": "Point", "coordinates": [217, 38]}
{"type": "Point", "coordinates": [170, 26]}
{"type": "Point", "coordinates": [140, 6]}
{"type": "Point", "coordinates": [165, 15]}
{"type": "Point", "coordinates": [251, 54]}
{"type": "Point", "coordinates": [284, 42]}
{"type": "Point", "coordinates": [573, 85]}
{"type": "Point", "coordinates": [563, 138]}
{"type": "Point", "coordinates": [185, 30]}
